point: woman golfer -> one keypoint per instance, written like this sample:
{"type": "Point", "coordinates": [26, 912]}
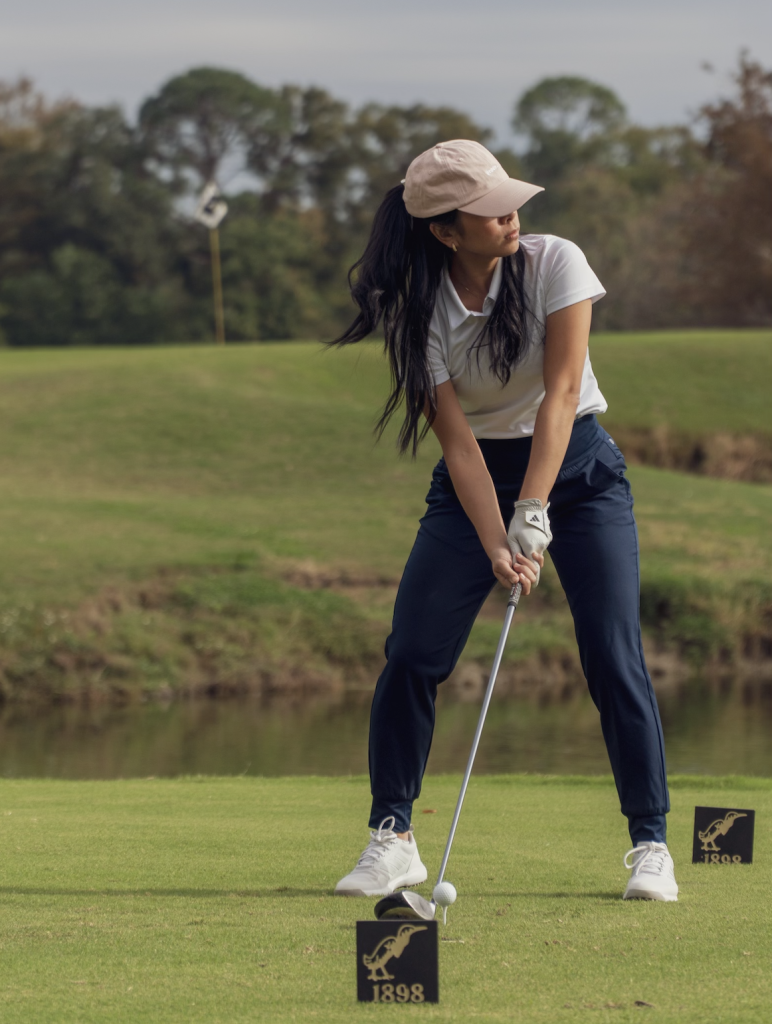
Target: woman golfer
{"type": "Point", "coordinates": [487, 337]}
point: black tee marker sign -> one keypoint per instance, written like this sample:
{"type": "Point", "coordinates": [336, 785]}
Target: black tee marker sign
{"type": "Point", "coordinates": [397, 961]}
{"type": "Point", "coordinates": [723, 835]}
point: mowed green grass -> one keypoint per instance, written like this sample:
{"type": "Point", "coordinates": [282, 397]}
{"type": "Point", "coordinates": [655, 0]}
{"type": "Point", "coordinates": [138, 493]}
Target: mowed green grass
{"type": "Point", "coordinates": [116, 461]}
{"type": "Point", "coordinates": [209, 900]}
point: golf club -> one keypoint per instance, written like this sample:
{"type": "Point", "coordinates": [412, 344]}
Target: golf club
{"type": "Point", "coordinates": [410, 904]}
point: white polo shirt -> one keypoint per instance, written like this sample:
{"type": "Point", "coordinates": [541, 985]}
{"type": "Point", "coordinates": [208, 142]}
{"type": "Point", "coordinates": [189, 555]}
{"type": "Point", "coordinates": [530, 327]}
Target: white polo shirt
{"type": "Point", "coordinates": [557, 274]}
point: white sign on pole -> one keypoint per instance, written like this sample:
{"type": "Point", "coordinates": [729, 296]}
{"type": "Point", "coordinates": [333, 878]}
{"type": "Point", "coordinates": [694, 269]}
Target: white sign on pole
{"type": "Point", "coordinates": [211, 207]}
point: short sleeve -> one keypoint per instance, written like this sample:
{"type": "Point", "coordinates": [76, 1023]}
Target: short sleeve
{"type": "Point", "coordinates": [568, 277]}
{"type": "Point", "coordinates": [436, 358]}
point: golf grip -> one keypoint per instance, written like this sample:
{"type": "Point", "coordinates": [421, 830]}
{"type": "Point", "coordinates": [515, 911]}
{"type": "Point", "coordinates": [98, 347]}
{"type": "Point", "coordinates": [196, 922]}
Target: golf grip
{"type": "Point", "coordinates": [514, 597]}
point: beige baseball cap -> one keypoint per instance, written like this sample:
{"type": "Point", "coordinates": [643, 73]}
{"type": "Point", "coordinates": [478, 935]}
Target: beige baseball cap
{"type": "Point", "coordinates": [462, 175]}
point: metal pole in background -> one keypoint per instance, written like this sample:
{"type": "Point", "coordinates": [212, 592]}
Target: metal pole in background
{"type": "Point", "coordinates": [219, 312]}
{"type": "Point", "coordinates": [210, 211]}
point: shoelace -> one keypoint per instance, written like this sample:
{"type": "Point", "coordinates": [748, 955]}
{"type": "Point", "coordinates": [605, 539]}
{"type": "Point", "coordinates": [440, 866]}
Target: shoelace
{"type": "Point", "coordinates": [379, 842]}
{"type": "Point", "coordinates": [653, 855]}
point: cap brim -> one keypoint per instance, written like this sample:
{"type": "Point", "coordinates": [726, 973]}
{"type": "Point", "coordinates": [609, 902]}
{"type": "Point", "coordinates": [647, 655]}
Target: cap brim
{"type": "Point", "coordinates": [510, 195]}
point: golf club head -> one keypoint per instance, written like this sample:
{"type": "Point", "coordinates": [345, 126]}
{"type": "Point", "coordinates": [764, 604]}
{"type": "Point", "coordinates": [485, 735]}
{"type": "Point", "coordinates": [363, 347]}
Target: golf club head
{"type": "Point", "coordinates": [405, 905]}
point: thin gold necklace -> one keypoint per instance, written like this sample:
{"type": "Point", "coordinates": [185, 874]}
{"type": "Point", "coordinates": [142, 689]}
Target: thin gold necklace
{"type": "Point", "coordinates": [467, 288]}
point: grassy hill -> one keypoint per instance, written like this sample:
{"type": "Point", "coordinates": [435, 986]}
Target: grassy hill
{"type": "Point", "coordinates": [191, 517]}
{"type": "Point", "coordinates": [696, 400]}
{"type": "Point", "coordinates": [700, 382]}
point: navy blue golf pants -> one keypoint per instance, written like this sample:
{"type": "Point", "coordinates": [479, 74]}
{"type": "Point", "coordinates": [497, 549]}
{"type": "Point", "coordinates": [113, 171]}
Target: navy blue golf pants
{"type": "Point", "coordinates": [448, 577]}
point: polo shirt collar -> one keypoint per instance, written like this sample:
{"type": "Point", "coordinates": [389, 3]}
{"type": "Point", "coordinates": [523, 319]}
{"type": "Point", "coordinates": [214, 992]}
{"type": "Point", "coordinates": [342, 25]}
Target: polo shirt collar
{"type": "Point", "coordinates": [457, 311]}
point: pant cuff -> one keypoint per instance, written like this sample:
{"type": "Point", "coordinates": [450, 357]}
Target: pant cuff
{"type": "Point", "coordinates": [400, 810]}
{"type": "Point", "coordinates": [648, 828]}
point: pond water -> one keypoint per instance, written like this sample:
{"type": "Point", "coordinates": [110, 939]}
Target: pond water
{"type": "Point", "coordinates": [715, 731]}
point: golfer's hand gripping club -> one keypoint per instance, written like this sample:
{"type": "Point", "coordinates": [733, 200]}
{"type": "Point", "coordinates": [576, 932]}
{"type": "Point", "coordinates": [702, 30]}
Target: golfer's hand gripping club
{"type": "Point", "coordinates": [529, 532]}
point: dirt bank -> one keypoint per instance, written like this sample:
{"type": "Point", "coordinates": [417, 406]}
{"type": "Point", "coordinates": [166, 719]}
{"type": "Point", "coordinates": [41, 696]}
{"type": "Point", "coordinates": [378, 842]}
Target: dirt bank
{"type": "Point", "coordinates": [553, 679]}
{"type": "Point", "coordinates": [725, 456]}
{"type": "Point", "coordinates": [220, 632]}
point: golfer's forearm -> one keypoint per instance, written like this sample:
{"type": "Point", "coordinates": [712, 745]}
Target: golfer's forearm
{"type": "Point", "coordinates": [550, 441]}
{"type": "Point", "coordinates": [477, 495]}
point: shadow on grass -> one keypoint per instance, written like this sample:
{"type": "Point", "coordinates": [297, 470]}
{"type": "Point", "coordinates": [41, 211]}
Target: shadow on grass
{"type": "Point", "coordinates": [286, 893]}
{"type": "Point", "coordinates": [142, 891]}
{"type": "Point", "coordinates": [501, 894]}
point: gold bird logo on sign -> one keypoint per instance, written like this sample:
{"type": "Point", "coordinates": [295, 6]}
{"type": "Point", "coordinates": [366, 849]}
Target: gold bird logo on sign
{"type": "Point", "coordinates": [719, 827]}
{"type": "Point", "coordinates": [389, 946]}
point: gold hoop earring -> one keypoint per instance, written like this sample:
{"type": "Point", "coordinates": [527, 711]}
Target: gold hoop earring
{"type": "Point", "coordinates": [454, 247]}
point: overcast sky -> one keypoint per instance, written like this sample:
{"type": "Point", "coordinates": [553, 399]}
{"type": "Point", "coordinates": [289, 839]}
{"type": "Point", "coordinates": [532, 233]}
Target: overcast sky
{"type": "Point", "coordinates": [477, 55]}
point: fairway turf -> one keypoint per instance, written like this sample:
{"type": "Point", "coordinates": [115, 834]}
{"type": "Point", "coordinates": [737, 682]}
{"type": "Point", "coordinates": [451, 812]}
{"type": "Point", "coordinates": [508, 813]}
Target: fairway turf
{"type": "Point", "coordinates": [209, 900]}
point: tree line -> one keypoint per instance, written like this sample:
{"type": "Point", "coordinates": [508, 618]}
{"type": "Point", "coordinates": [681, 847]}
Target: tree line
{"type": "Point", "coordinates": [98, 246]}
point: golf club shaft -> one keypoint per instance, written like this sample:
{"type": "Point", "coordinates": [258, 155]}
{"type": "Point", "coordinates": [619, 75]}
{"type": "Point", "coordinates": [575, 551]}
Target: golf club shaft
{"type": "Point", "coordinates": [514, 597]}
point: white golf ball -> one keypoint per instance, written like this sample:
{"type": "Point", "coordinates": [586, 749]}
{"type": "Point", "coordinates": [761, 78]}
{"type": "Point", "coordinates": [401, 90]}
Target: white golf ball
{"type": "Point", "coordinates": [444, 894]}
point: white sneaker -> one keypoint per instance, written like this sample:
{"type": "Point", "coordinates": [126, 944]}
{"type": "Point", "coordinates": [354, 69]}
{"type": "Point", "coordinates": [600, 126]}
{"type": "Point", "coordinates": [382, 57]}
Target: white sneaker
{"type": "Point", "coordinates": [653, 876]}
{"type": "Point", "coordinates": [388, 863]}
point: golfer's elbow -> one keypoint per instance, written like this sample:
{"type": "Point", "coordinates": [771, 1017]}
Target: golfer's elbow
{"type": "Point", "coordinates": [564, 397]}
{"type": "Point", "coordinates": [461, 457]}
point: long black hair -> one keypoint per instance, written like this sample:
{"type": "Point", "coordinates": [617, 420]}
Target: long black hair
{"type": "Point", "coordinates": [396, 281]}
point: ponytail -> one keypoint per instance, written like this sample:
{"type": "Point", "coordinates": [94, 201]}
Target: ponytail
{"type": "Point", "coordinates": [395, 282]}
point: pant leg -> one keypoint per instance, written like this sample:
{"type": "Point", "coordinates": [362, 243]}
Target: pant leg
{"type": "Point", "coordinates": [446, 580]}
{"type": "Point", "coordinates": [595, 552]}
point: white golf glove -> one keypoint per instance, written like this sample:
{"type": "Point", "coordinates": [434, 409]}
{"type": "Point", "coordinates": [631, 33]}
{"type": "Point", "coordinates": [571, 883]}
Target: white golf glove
{"type": "Point", "coordinates": [529, 532]}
